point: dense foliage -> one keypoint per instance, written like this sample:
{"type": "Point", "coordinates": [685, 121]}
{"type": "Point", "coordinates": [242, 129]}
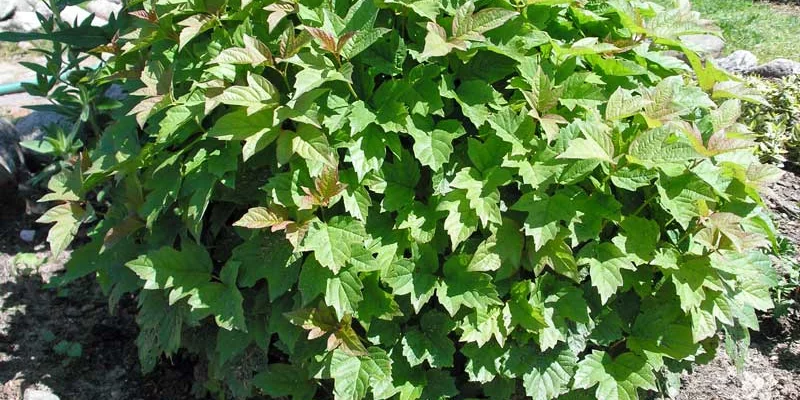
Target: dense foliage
{"type": "Point", "coordinates": [776, 120]}
{"type": "Point", "coordinates": [422, 199]}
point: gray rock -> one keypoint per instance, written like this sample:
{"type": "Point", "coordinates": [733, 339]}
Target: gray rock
{"type": "Point", "coordinates": [36, 394]}
{"type": "Point", "coordinates": [705, 45]}
{"type": "Point", "coordinates": [31, 127]}
{"type": "Point", "coordinates": [103, 8]}
{"type": "Point", "coordinates": [11, 161]}
{"type": "Point", "coordinates": [116, 92]}
{"type": "Point", "coordinates": [22, 21]}
{"type": "Point", "coordinates": [777, 68]}
{"type": "Point", "coordinates": [740, 61]}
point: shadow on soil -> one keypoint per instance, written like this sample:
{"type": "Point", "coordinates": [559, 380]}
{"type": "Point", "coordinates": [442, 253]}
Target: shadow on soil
{"type": "Point", "coordinates": [67, 340]}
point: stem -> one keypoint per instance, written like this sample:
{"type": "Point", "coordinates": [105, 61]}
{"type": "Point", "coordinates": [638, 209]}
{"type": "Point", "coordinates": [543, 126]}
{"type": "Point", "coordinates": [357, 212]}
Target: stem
{"type": "Point", "coordinates": [349, 85]}
{"type": "Point", "coordinates": [641, 207]}
{"type": "Point", "coordinates": [352, 90]}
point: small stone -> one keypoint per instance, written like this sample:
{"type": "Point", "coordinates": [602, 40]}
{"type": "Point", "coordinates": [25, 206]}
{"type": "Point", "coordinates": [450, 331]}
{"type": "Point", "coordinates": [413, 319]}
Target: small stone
{"type": "Point", "coordinates": [27, 235]}
{"type": "Point", "coordinates": [740, 61]}
{"type": "Point", "coordinates": [777, 68]}
{"type": "Point", "coordinates": [705, 45]}
{"type": "Point", "coordinates": [35, 394]}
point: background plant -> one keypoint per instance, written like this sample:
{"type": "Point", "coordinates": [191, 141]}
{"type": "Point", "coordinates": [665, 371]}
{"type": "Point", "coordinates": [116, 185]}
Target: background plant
{"type": "Point", "coordinates": [421, 199]}
{"type": "Point", "coordinates": [777, 121]}
{"type": "Point", "coordinates": [69, 80]}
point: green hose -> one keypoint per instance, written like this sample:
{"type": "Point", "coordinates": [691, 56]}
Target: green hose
{"type": "Point", "coordinates": [11, 88]}
{"type": "Point", "coordinates": [16, 87]}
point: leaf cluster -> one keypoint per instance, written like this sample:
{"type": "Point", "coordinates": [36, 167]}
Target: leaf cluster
{"type": "Point", "coordinates": [423, 199]}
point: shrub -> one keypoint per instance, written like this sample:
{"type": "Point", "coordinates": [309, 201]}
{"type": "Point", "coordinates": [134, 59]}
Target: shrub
{"type": "Point", "coordinates": [776, 122]}
{"type": "Point", "coordinates": [422, 199]}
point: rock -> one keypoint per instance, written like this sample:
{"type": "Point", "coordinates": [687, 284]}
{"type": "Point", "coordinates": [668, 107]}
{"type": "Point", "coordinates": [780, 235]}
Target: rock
{"type": "Point", "coordinates": [740, 61]}
{"type": "Point", "coordinates": [7, 9]}
{"type": "Point", "coordinates": [705, 45]}
{"type": "Point", "coordinates": [103, 8]}
{"type": "Point", "coordinates": [32, 127]}
{"type": "Point", "coordinates": [11, 160]}
{"type": "Point", "coordinates": [32, 5]}
{"type": "Point", "coordinates": [777, 68]}
{"type": "Point", "coordinates": [36, 394]}
{"type": "Point", "coordinates": [23, 21]}
{"type": "Point", "coordinates": [74, 14]}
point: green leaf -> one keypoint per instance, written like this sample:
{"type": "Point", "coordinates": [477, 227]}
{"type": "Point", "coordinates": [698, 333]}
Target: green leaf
{"type": "Point", "coordinates": [168, 268]}
{"type": "Point", "coordinates": [267, 257]}
{"type": "Point", "coordinates": [484, 198]}
{"type": "Point", "coordinates": [596, 145]}
{"type": "Point", "coordinates": [285, 380]}
{"type": "Point", "coordinates": [461, 221]}
{"type": "Point", "coordinates": [362, 40]}
{"type": "Point", "coordinates": [682, 196]}
{"type": "Point", "coordinates": [80, 37]}
{"type": "Point", "coordinates": [222, 300]}
{"type": "Point", "coordinates": [429, 342]}
{"type": "Point", "coordinates": [343, 293]}
{"type": "Point", "coordinates": [311, 144]}
{"type": "Point", "coordinates": [377, 303]}
{"type": "Point", "coordinates": [641, 235]}
{"type": "Point", "coordinates": [333, 242]}
{"type": "Point", "coordinates": [474, 25]}
{"type": "Point", "coordinates": [424, 8]}
{"type": "Point", "coordinates": [254, 53]}
{"type": "Point", "coordinates": [481, 326]}
{"type": "Point", "coordinates": [662, 145]}
{"type": "Point", "coordinates": [544, 375]}
{"type": "Point", "coordinates": [544, 216]}
{"type": "Point", "coordinates": [414, 279]}
{"type": "Point", "coordinates": [623, 104]}
{"type": "Point", "coordinates": [433, 146]}
{"type": "Point", "coordinates": [618, 378]}
{"type": "Point", "coordinates": [605, 263]}
{"type": "Point", "coordinates": [463, 288]}
{"type": "Point", "coordinates": [67, 218]}
{"type": "Point", "coordinates": [353, 376]}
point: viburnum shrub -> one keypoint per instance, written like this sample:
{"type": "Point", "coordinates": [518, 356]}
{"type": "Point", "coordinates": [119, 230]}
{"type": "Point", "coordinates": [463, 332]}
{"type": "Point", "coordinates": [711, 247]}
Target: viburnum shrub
{"type": "Point", "coordinates": [422, 199]}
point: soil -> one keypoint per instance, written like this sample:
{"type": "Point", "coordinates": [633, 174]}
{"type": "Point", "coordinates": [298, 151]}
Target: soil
{"type": "Point", "coordinates": [34, 321]}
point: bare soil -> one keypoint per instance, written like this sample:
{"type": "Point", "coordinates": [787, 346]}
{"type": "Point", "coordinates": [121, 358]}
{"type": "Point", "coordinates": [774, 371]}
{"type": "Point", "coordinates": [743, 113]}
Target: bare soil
{"type": "Point", "coordinates": [34, 320]}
